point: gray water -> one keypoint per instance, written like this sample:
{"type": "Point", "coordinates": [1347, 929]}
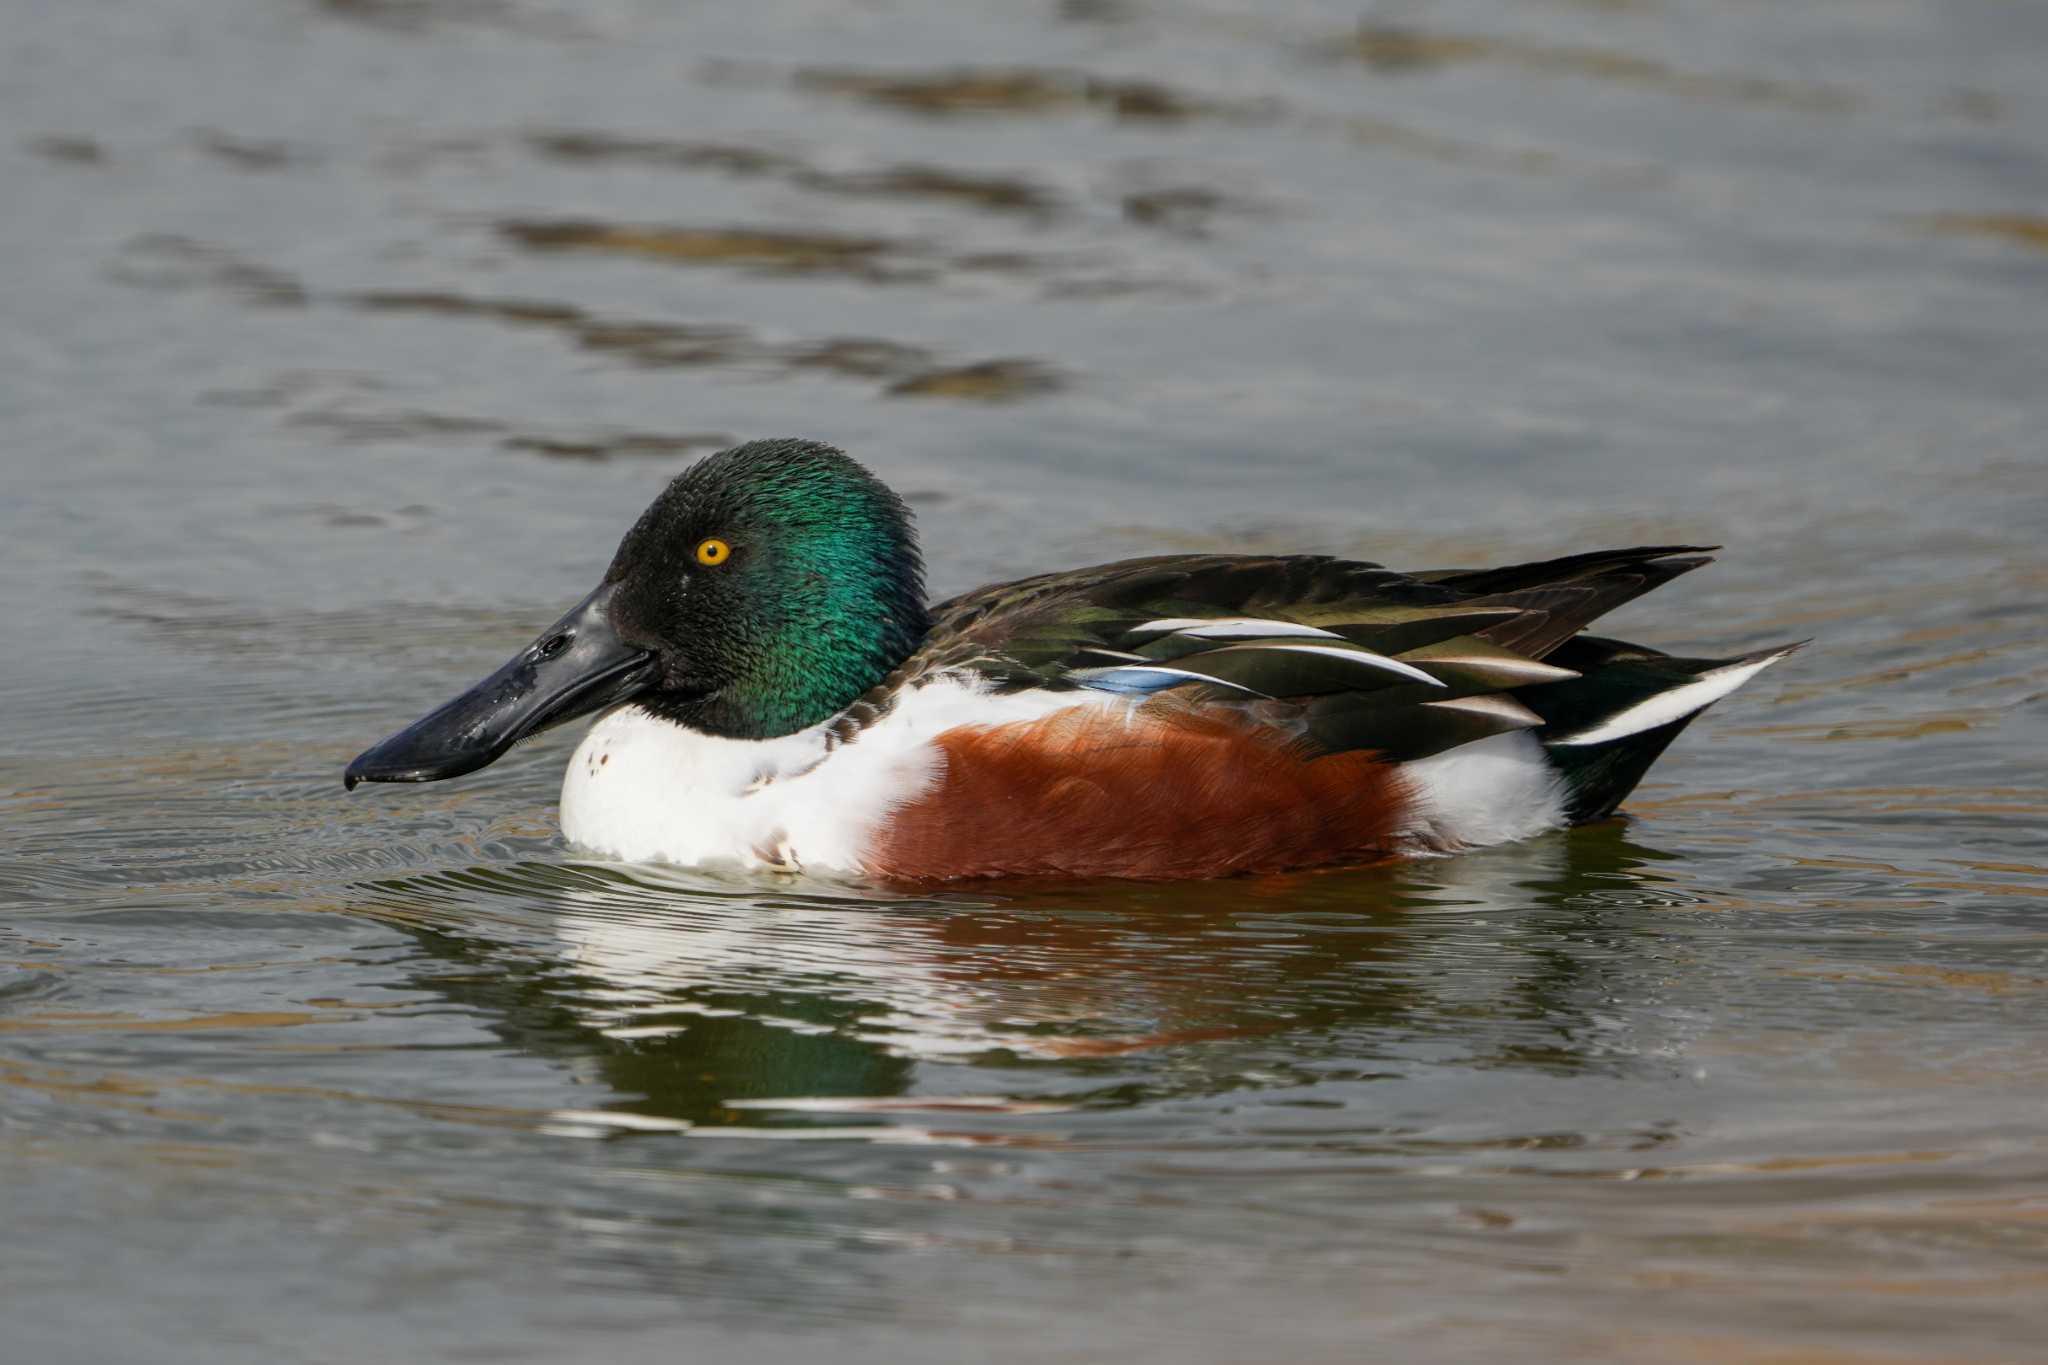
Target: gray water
{"type": "Point", "coordinates": [340, 341]}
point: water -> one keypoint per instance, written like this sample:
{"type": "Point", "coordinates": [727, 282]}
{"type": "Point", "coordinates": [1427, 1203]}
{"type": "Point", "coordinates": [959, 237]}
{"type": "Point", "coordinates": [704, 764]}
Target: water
{"type": "Point", "coordinates": [341, 341]}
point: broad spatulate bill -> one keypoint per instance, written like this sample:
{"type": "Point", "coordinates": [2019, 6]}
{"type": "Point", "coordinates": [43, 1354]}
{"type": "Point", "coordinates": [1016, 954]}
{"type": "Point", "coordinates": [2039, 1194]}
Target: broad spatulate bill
{"type": "Point", "coordinates": [772, 689]}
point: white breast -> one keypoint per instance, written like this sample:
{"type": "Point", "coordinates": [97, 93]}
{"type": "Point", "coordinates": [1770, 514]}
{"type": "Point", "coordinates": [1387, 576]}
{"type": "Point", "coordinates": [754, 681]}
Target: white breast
{"type": "Point", "coordinates": [645, 789]}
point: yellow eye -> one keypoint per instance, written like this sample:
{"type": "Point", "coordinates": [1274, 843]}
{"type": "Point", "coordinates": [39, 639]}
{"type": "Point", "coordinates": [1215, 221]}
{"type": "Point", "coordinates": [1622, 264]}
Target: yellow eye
{"type": "Point", "coordinates": [713, 551]}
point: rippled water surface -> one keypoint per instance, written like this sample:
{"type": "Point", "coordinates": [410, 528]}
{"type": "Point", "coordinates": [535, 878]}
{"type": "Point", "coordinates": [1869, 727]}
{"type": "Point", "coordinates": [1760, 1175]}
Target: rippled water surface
{"type": "Point", "coordinates": [341, 340]}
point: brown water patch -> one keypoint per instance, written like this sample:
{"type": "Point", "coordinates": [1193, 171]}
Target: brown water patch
{"type": "Point", "coordinates": [370, 428]}
{"type": "Point", "coordinates": [732, 158]}
{"type": "Point", "coordinates": [1024, 90]}
{"type": "Point", "coordinates": [2020, 869]}
{"type": "Point", "coordinates": [247, 154]}
{"type": "Point", "coordinates": [2024, 229]}
{"type": "Point", "coordinates": [1789, 1165]}
{"type": "Point", "coordinates": [409, 14]}
{"type": "Point", "coordinates": [65, 1021]}
{"type": "Point", "coordinates": [902, 1104]}
{"type": "Point", "coordinates": [604, 447]}
{"type": "Point", "coordinates": [525, 311]}
{"type": "Point", "coordinates": [125, 1089]}
{"type": "Point", "coordinates": [1930, 879]}
{"type": "Point", "coordinates": [1978, 106]}
{"type": "Point", "coordinates": [1969, 1284]}
{"type": "Point", "coordinates": [168, 261]}
{"type": "Point", "coordinates": [59, 1082]}
{"type": "Point", "coordinates": [1904, 727]}
{"type": "Point", "coordinates": [767, 252]}
{"type": "Point", "coordinates": [418, 16]}
{"type": "Point", "coordinates": [291, 386]}
{"type": "Point", "coordinates": [1401, 48]}
{"type": "Point", "coordinates": [1780, 811]}
{"type": "Point", "coordinates": [859, 357]}
{"type": "Point", "coordinates": [666, 345]}
{"type": "Point", "coordinates": [1096, 11]}
{"type": "Point", "coordinates": [114, 1092]}
{"type": "Point", "coordinates": [650, 344]}
{"type": "Point", "coordinates": [1392, 47]}
{"type": "Point", "coordinates": [986, 193]}
{"type": "Point", "coordinates": [988, 381]}
{"type": "Point", "coordinates": [78, 151]}
{"type": "Point", "coordinates": [201, 969]}
{"type": "Point", "coordinates": [1720, 1349]}
{"type": "Point", "coordinates": [785, 253]}
{"type": "Point", "coordinates": [1118, 287]}
{"type": "Point", "coordinates": [1004, 263]}
{"type": "Point", "coordinates": [972, 92]}
{"type": "Point", "coordinates": [950, 92]}
{"type": "Point", "coordinates": [1930, 974]}
{"type": "Point", "coordinates": [1385, 135]}
{"type": "Point", "coordinates": [1077, 1047]}
{"type": "Point", "coordinates": [1183, 210]}
{"type": "Point", "coordinates": [1892, 675]}
{"type": "Point", "coordinates": [901, 367]}
{"type": "Point", "coordinates": [410, 154]}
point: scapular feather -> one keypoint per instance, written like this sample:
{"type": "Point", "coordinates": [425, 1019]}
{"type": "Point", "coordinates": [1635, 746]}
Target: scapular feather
{"type": "Point", "coordinates": [1292, 669]}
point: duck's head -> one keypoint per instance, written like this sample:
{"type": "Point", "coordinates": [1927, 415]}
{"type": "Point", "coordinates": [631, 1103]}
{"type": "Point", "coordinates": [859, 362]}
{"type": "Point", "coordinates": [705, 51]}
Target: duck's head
{"type": "Point", "coordinates": [767, 588]}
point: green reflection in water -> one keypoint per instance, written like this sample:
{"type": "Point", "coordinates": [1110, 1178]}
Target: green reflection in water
{"type": "Point", "coordinates": [684, 992]}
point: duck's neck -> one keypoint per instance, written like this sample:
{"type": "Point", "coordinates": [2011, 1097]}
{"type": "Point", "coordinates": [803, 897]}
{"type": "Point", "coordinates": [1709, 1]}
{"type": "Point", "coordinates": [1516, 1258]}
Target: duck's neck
{"type": "Point", "coordinates": [807, 671]}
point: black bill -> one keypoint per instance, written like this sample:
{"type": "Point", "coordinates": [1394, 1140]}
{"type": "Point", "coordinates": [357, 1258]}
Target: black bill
{"type": "Point", "coordinates": [577, 666]}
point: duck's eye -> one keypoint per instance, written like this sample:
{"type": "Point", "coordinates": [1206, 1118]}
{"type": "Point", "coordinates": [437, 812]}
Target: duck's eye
{"type": "Point", "coordinates": [713, 551]}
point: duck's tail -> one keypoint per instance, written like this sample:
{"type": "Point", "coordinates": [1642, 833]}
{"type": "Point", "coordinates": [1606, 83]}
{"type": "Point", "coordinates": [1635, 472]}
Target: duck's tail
{"type": "Point", "coordinates": [1604, 729]}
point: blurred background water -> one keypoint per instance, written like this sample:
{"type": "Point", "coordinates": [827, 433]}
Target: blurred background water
{"type": "Point", "coordinates": [341, 339]}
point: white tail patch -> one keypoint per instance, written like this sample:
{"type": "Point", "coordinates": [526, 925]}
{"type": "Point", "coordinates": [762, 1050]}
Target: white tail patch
{"type": "Point", "coordinates": [1486, 792]}
{"type": "Point", "coordinates": [1678, 702]}
{"type": "Point", "coordinates": [1230, 628]}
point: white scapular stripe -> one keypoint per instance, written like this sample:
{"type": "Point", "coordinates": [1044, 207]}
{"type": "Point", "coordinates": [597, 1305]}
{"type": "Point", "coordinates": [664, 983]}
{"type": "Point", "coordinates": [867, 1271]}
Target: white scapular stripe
{"type": "Point", "coordinates": [1512, 672]}
{"type": "Point", "coordinates": [1506, 708]}
{"type": "Point", "coordinates": [1668, 706]}
{"type": "Point", "coordinates": [1230, 628]}
{"type": "Point", "coordinates": [1365, 658]}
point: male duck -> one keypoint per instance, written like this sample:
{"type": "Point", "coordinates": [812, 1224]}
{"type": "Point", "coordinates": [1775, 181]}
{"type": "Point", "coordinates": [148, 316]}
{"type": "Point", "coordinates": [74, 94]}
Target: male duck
{"type": "Point", "coordinates": [774, 691]}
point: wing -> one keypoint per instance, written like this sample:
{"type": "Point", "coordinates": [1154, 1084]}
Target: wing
{"type": "Point", "coordinates": [1345, 654]}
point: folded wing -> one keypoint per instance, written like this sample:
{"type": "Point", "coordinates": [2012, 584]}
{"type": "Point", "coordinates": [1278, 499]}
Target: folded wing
{"type": "Point", "coordinates": [1345, 655]}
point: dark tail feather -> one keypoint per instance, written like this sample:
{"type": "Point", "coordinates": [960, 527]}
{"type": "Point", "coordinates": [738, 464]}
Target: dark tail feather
{"type": "Point", "coordinates": [1553, 573]}
{"type": "Point", "coordinates": [1603, 730]}
{"type": "Point", "coordinates": [1599, 777]}
{"type": "Point", "coordinates": [1561, 597]}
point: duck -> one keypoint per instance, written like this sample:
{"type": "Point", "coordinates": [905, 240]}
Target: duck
{"type": "Point", "coordinates": [772, 689]}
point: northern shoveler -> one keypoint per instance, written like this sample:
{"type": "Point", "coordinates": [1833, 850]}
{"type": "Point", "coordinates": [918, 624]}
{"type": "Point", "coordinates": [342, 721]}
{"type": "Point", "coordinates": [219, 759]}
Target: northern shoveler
{"type": "Point", "coordinates": [773, 690]}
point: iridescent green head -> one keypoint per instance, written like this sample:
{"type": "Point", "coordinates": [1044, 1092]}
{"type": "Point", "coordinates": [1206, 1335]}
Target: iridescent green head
{"type": "Point", "coordinates": [775, 583]}
{"type": "Point", "coordinates": [765, 590]}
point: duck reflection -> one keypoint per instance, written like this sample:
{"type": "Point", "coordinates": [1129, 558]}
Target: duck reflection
{"type": "Point", "coordinates": [683, 996]}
